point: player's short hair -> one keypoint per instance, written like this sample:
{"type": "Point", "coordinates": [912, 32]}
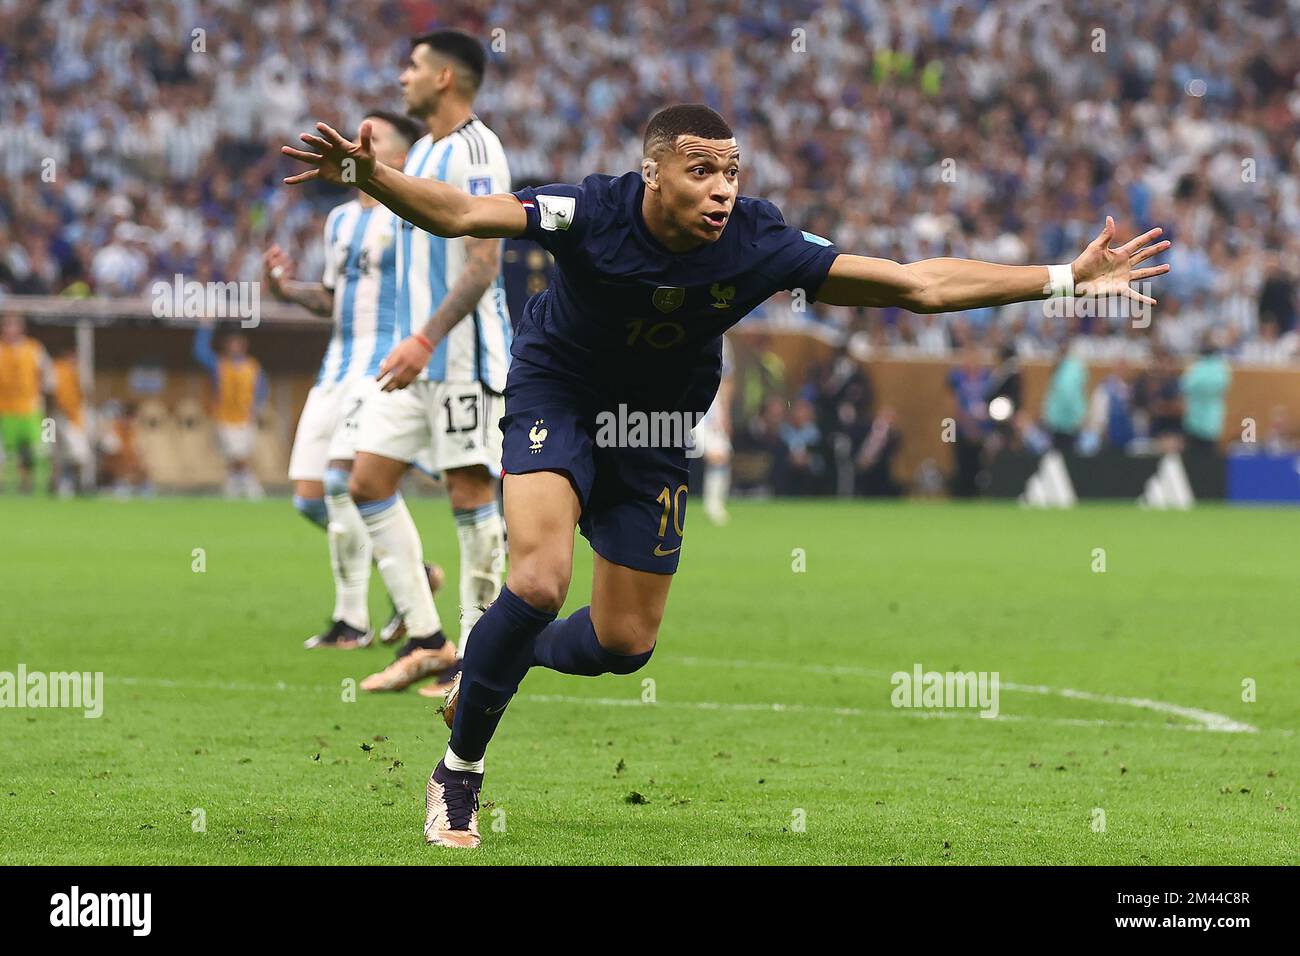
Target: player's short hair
{"type": "Point", "coordinates": [464, 49]}
{"type": "Point", "coordinates": [684, 119]}
{"type": "Point", "coordinates": [406, 127]}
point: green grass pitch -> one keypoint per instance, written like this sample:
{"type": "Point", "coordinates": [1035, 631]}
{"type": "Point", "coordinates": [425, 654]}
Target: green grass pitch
{"type": "Point", "coordinates": [771, 738]}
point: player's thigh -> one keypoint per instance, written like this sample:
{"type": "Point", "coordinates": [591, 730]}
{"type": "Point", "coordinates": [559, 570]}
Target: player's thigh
{"type": "Point", "coordinates": [627, 606]}
{"type": "Point", "coordinates": [346, 421]}
{"type": "Point", "coordinates": [541, 510]}
{"type": "Point", "coordinates": [391, 432]}
{"type": "Point", "coordinates": [636, 514]}
{"type": "Point", "coordinates": [311, 439]}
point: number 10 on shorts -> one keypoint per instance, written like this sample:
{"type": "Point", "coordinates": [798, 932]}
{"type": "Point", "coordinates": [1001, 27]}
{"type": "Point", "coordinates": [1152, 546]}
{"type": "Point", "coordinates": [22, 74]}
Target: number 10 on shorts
{"type": "Point", "coordinates": [672, 504]}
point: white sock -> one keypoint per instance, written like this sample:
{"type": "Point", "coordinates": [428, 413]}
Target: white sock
{"type": "Point", "coordinates": [482, 556]}
{"type": "Point", "coordinates": [717, 482]}
{"type": "Point", "coordinates": [350, 549]}
{"type": "Point", "coordinates": [452, 762]}
{"type": "Point", "coordinates": [400, 557]}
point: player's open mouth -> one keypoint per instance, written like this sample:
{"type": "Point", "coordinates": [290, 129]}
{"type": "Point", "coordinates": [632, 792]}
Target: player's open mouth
{"type": "Point", "coordinates": [716, 219]}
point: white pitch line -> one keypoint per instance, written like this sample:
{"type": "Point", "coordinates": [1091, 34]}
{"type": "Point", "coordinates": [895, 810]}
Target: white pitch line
{"type": "Point", "coordinates": [775, 708]}
{"type": "Point", "coordinates": [1207, 719]}
{"type": "Point", "coordinates": [1203, 719]}
{"type": "Point", "coordinates": [839, 711]}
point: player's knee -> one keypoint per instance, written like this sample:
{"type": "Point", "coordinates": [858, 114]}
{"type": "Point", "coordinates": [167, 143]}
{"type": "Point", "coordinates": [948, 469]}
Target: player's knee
{"type": "Point", "coordinates": [629, 636]}
{"type": "Point", "coordinates": [337, 482]}
{"type": "Point", "coordinates": [366, 487]}
{"type": "Point", "coordinates": [542, 587]}
{"type": "Point", "coordinates": [470, 487]}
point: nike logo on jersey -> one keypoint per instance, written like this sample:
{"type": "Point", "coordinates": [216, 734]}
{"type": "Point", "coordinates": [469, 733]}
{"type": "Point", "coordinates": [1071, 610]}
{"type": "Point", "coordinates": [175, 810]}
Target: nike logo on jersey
{"type": "Point", "coordinates": [661, 553]}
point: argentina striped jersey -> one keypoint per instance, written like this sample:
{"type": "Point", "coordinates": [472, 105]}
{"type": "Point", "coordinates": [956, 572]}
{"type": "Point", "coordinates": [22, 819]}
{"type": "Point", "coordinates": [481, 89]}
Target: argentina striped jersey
{"type": "Point", "coordinates": [478, 347]}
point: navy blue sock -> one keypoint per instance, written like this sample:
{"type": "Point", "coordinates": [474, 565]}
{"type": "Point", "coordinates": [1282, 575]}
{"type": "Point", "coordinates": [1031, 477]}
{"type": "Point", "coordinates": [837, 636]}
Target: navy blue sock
{"type": "Point", "coordinates": [569, 646]}
{"type": "Point", "coordinates": [313, 509]}
{"type": "Point", "coordinates": [499, 654]}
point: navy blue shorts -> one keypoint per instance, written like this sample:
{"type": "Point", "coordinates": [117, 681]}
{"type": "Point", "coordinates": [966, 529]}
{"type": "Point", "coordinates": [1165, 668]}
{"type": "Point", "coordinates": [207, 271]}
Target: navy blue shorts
{"type": "Point", "coordinates": [633, 499]}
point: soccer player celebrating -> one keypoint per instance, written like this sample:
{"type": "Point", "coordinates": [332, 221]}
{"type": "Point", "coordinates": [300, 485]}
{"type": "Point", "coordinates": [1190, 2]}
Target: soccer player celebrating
{"type": "Point", "coordinates": [442, 383]}
{"type": "Point", "coordinates": [359, 290]}
{"type": "Point", "coordinates": [238, 393]}
{"type": "Point", "coordinates": [652, 268]}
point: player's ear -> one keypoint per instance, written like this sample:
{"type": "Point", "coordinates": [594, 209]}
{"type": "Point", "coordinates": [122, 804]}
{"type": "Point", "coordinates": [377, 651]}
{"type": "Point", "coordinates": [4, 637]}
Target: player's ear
{"type": "Point", "coordinates": [650, 173]}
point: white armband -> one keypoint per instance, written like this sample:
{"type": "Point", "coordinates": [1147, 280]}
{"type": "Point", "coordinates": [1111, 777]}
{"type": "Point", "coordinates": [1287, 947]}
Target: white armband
{"type": "Point", "coordinates": [1060, 281]}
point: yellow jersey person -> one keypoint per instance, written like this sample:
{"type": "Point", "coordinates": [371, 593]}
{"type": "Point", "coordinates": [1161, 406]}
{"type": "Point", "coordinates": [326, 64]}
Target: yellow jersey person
{"type": "Point", "coordinates": [239, 392]}
{"type": "Point", "coordinates": [71, 445]}
{"type": "Point", "coordinates": [24, 378]}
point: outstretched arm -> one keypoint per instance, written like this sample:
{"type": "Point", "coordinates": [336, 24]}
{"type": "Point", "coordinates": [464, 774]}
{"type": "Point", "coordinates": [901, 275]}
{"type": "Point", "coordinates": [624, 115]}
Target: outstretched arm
{"type": "Point", "coordinates": [435, 207]}
{"type": "Point", "coordinates": [950, 285]}
{"type": "Point", "coordinates": [203, 352]}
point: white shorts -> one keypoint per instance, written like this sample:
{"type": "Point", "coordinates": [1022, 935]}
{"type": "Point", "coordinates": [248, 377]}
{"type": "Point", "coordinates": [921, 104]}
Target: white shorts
{"type": "Point", "coordinates": [328, 426]}
{"type": "Point", "coordinates": [236, 441]}
{"type": "Point", "coordinates": [435, 425]}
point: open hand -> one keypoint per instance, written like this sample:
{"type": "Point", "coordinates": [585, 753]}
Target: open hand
{"type": "Point", "coordinates": [337, 160]}
{"type": "Point", "coordinates": [1101, 270]}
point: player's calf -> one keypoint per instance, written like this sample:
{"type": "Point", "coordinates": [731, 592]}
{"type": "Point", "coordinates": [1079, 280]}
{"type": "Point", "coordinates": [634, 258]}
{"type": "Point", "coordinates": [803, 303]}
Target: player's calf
{"type": "Point", "coordinates": [572, 646]}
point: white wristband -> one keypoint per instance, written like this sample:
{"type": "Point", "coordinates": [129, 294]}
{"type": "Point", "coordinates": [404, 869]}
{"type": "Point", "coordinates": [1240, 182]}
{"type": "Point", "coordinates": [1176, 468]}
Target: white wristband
{"type": "Point", "coordinates": [1060, 281]}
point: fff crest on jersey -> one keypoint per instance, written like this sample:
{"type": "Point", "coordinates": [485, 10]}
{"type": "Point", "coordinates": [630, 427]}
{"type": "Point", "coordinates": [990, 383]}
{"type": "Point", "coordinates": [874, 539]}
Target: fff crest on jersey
{"type": "Point", "coordinates": [668, 298]}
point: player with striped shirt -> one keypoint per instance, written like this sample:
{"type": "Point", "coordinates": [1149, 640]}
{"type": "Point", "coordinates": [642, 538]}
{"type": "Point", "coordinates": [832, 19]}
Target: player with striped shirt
{"type": "Point", "coordinates": [359, 291]}
{"type": "Point", "coordinates": [443, 399]}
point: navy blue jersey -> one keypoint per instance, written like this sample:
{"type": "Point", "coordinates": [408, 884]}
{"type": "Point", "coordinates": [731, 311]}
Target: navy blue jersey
{"type": "Point", "coordinates": [525, 271]}
{"type": "Point", "coordinates": [635, 322]}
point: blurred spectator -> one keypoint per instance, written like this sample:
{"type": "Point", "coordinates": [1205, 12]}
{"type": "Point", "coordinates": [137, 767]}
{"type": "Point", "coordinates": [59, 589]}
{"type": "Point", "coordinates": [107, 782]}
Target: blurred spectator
{"type": "Point", "coordinates": [1271, 348]}
{"type": "Point", "coordinates": [239, 392]}
{"type": "Point", "coordinates": [969, 383]}
{"type": "Point", "coordinates": [801, 469]}
{"type": "Point", "coordinates": [1066, 401]}
{"type": "Point", "coordinates": [1158, 398]}
{"type": "Point", "coordinates": [71, 439]}
{"type": "Point", "coordinates": [1110, 411]}
{"type": "Point", "coordinates": [875, 457]}
{"type": "Point", "coordinates": [25, 380]}
{"type": "Point", "coordinates": [1204, 385]}
{"type": "Point", "coordinates": [120, 466]}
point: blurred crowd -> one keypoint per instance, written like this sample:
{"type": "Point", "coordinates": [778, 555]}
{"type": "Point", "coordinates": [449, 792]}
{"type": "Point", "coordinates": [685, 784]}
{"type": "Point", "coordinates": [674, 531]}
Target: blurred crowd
{"type": "Point", "coordinates": [828, 433]}
{"type": "Point", "coordinates": [141, 137]}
